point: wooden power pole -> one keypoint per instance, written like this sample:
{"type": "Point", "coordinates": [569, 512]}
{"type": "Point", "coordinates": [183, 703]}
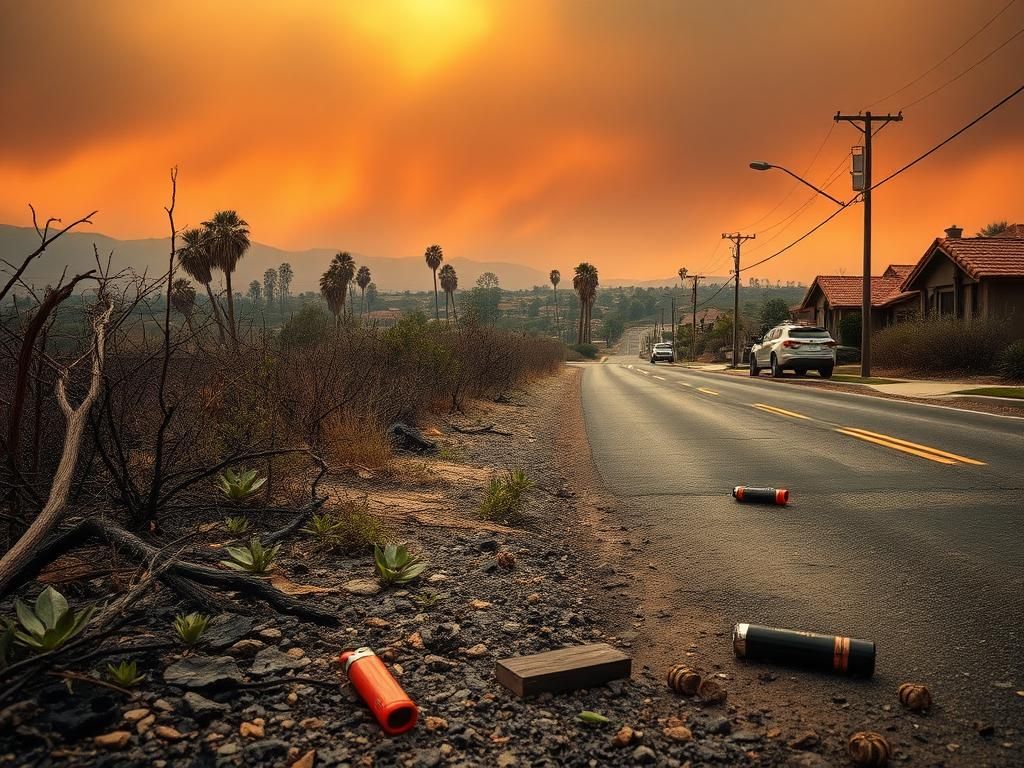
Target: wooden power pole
{"type": "Point", "coordinates": [737, 239]}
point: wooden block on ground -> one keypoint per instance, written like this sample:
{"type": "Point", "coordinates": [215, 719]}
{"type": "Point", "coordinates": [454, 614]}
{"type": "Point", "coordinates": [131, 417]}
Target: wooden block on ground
{"type": "Point", "coordinates": [566, 669]}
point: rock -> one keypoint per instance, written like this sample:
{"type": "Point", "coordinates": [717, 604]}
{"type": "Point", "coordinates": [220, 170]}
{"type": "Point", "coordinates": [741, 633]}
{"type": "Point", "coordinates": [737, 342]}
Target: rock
{"type": "Point", "coordinates": [226, 750]}
{"type": "Point", "coordinates": [442, 638]}
{"type": "Point", "coordinates": [643, 755]}
{"type": "Point", "coordinates": [507, 760]}
{"type": "Point", "coordinates": [254, 729]}
{"type": "Point", "coordinates": [306, 761]}
{"type": "Point", "coordinates": [476, 651]}
{"type": "Point", "coordinates": [204, 672]}
{"type": "Point", "coordinates": [410, 439]}
{"type": "Point", "coordinates": [678, 733]}
{"type": "Point", "coordinates": [805, 740]}
{"type": "Point", "coordinates": [113, 740]}
{"type": "Point", "coordinates": [377, 623]}
{"type": "Point", "coordinates": [145, 724]}
{"type": "Point", "coordinates": [266, 752]}
{"type": "Point", "coordinates": [808, 760]}
{"type": "Point", "coordinates": [167, 733]}
{"type": "Point", "coordinates": [363, 587]}
{"type": "Point", "coordinates": [426, 758]}
{"type": "Point", "coordinates": [270, 634]}
{"type": "Point", "coordinates": [134, 715]}
{"type": "Point", "coordinates": [201, 708]}
{"type": "Point", "coordinates": [271, 661]}
{"type": "Point", "coordinates": [488, 545]}
{"type": "Point", "coordinates": [623, 737]}
{"type": "Point", "coordinates": [226, 629]}
{"type": "Point", "coordinates": [163, 705]}
{"type": "Point", "coordinates": [533, 599]}
{"type": "Point", "coordinates": [312, 723]}
{"type": "Point", "coordinates": [87, 713]}
{"type": "Point", "coordinates": [436, 578]}
{"type": "Point", "coordinates": [479, 605]}
{"type": "Point", "coordinates": [433, 723]}
{"type": "Point", "coordinates": [415, 640]}
{"type": "Point", "coordinates": [745, 737]}
{"type": "Point", "coordinates": [296, 652]}
{"type": "Point", "coordinates": [721, 726]}
{"type": "Point", "coordinates": [506, 560]}
{"type": "Point", "coordinates": [246, 649]}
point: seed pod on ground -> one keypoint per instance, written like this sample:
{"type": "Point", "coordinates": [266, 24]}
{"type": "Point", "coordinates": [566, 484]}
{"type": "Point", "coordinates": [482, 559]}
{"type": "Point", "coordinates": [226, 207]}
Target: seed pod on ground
{"type": "Point", "coordinates": [711, 692]}
{"type": "Point", "coordinates": [506, 560]}
{"type": "Point", "coordinates": [915, 696]}
{"type": "Point", "coordinates": [684, 680]}
{"type": "Point", "coordinates": [869, 749]}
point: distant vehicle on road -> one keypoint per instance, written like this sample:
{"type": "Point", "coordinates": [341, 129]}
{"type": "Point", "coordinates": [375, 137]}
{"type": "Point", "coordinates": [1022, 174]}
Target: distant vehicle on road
{"type": "Point", "coordinates": [663, 351]}
{"type": "Point", "coordinates": [799, 348]}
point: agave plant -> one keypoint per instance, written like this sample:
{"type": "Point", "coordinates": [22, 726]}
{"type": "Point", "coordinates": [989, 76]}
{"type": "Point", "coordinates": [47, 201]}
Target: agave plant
{"type": "Point", "coordinates": [239, 486]}
{"type": "Point", "coordinates": [190, 627]}
{"type": "Point", "coordinates": [252, 558]}
{"type": "Point", "coordinates": [50, 623]}
{"type": "Point", "coordinates": [126, 674]}
{"type": "Point", "coordinates": [396, 564]}
{"type": "Point", "coordinates": [323, 526]}
{"type": "Point", "coordinates": [238, 524]}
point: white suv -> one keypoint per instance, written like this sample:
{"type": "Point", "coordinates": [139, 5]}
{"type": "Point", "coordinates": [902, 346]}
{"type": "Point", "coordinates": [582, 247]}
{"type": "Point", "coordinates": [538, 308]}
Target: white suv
{"type": "Point", "coordinates": [800, 348]}
{"type": "Point", "coordinates": [663, 351]}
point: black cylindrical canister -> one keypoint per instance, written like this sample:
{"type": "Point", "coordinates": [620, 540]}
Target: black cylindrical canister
{"type": "Point", "coordinates": [845, 655]}
{"type": "Point", "coordinates": [778, 496]}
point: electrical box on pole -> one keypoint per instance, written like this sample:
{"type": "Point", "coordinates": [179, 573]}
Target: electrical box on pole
{"type": "Point", "coordinates": [857, 169]}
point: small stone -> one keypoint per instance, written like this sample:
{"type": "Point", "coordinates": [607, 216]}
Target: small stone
{"type": "Point", "coordinates": [226, 629]}
{"type": "Point", "coordinates": [292, 697]}
{"type": "Point", "coordinates": [203, 708]}
{"type": "Point", "coordinates": [272, 661]}
{"type": "Point", "coordinates": [134, 715]}
{"type": "Point", "coordinates": [479, 605]}
{"type": "Point", "coordinates": [363, 587]}
{"type": "Point", "coordinates": [437, 578]}
{"type": "Point", "coordinates": [202, 672]}
{"type": "Point", "coordinates": [623, 737]}
{"type": "Point", "coordinates": [678, 733]}
{"type": "Point", "coordinates": [377, 623]}
{"type": "Point", "coordinates": [312, 723]}
{"type": "Point", "coordinates": [254, 729]}
{"type": "Point", "coordinates": [270, 634]}
{"type": "Point", "coordinates": [643, 755]}
{"type": "Point", "coordinates": [306, 761]}
{"type": "Point", "coordinates": [415, 640]}
{"type": "Point", "coordinates": [533, 599]}
{"type": "Point", "coordinates": [145, 724]}
{"type": "Point", "coordinates": [246, 649]}
{"type": "Point", "coordinates": [296, 653]}
{"type": "Point", "coordinates": [226, 750]}
{"type": "Point", "coordinates": [435, 723]}
{"type": "Point", "coordinates": [506, 560]}
{"type": "Point", "coordinates": [113, 740]}
{"type": "Point", "coordinates": [476, 651]}
{"type": "Point", "coordinates": [167, 733]}
{"type": "Point", "coordinates": [163, 705]}
{"type": "Point", "coordinates": [806, 740]}
{"type": "Point", "coordinates": [507, 760]}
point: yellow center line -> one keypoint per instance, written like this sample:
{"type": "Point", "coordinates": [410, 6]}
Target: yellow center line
{"type": "Point", "coordinates": [707, 391]}
{"type": "Point", "coordinates": [780, 411]}
{"type": "Point", "coordinates": [920, 447]}
{"type": "Point", "coordinates": [660, 378]}
{"type": "Point", "coordinates": [897, 447]}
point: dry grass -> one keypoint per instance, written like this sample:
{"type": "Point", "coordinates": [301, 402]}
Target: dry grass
{"type": "Point", "coordinates": [357, 442]}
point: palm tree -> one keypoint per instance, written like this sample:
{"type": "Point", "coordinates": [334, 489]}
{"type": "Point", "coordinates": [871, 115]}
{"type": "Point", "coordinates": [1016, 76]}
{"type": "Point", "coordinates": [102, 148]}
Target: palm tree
{"type": "Point", "coordinates": [434, 256]}
{"type": "Point", "coordinates": [194, 258]}
{"type": "Point", "coordinates": [346, 271]}
{"type": "Point", "coordinates": [255, 291]}
{"type": "Point", "coordinates": [556, 278]}
{"type": "Point", "coordinates": [449, 282]}
{"type": "Point", "coordinates": [333, 291]}
{"type": "Point", "coordinates": [585, 284]}
{"type": "Point", "coordinates": [284, 282]}
{"type": "Point", "coordinates": [183, 299]}
{"type": "Point", "coordinates": [228, 240]}
{"type": "Point", "coordinates": [270, 285]}
{"type": "Point", "coordinates": [362, 280]}
{"type": "Point", "coordinates": [994, 229]}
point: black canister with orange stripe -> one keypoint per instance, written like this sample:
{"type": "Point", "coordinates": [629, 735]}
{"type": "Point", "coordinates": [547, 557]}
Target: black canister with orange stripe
{"type": "Point", "coordinates": [834, 653]}
{"type": "Point", "coordinates": [751, 495]}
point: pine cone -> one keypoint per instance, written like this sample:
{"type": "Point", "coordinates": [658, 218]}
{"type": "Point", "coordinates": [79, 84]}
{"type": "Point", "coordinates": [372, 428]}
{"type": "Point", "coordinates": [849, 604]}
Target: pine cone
{"type": "Point", "coordinates": [684, 680]}
{"type": "Point", "coordinates": [915, 696]}
{"type": "Point", "coordinates": [868, 749]}
{"type": "Point", "coordinates": [711, 692]}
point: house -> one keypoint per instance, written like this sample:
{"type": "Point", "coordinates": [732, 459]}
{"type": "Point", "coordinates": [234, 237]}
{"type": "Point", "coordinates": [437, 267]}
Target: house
{"type": "Point", "coordinates": [830, 298]}
{"type": "Point", "coordinates": [706, 318]}
{"type": "Point", "coordinates": [972, 277]}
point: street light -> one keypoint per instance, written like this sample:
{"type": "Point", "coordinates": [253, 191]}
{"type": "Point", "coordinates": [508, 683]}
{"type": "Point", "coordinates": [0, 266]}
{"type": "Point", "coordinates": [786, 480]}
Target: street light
{"type": "Point", "coordinates": [763, 166]}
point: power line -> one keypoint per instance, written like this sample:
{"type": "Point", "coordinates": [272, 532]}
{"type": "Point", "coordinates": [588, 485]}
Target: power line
{"type": "Point", "coordinates": [802, 237]}
{"type": "Point", "coordinates": [950, 55]}
{"type": "Point", "coordinates": [946, 141]}
{"type": "Point", "coordinates": [720, 289]}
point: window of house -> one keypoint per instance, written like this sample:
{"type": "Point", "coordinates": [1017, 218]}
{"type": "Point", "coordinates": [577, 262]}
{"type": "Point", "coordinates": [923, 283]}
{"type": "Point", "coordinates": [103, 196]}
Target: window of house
{"type": "Point", "coordinates": [944, 302]}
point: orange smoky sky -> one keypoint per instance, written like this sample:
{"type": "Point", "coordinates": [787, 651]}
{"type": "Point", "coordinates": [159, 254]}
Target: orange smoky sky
{"type": "Point", "coordinates": [543, 132]}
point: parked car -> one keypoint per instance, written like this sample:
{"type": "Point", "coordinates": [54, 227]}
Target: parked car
{"type": "Point", "coordinates": [663, 351]}
{"type": "Point", "coordinates": [799, 348]}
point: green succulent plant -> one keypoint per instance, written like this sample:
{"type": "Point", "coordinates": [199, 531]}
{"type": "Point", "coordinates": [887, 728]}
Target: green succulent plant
{"type": "Point", "coordinates": [252, 558]}
{"type": "Point", "coordinates": [239, 486]}
{"type": "Point", "coordinates": [237, 525]}
{"type": "Point", "coordinates": [396, 564]}
{"type": "Point", "coordinates": [190, 627]}
{"type": "Point", "coordinates": [323, 526]}
{"type": "Point", "coordinates": [126, 674]}
{"type": "Point", "coordinates": [50, 623]}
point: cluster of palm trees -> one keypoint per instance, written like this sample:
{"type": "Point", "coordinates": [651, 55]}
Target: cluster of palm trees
{"type": "Point", "coordinates": [448, 279]}
{"type": "Point", "coordinates": [338, 282]}
{"type": "Point", "coordinates": [584, 282]}
{"type": "Point", "coordinates": [217, 244]}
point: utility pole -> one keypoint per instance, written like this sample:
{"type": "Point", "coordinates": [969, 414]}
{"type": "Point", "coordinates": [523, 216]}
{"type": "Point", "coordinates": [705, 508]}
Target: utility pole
{"type": "Point", "coordinates": [862, 183]}
{"type": "Point", "coordinates": [737, 239]}
{"type": "Point", "coordinates": [693, 328]}
{"type": "Point", "coordinates": [673, 322]}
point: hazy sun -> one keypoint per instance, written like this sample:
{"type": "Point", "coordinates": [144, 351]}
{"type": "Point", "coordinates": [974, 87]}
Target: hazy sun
{"type": "Point", "coordinates": [421, 36]}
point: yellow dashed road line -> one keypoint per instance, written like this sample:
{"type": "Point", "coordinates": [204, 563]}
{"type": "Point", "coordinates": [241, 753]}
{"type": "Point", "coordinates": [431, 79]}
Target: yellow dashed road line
{"type": "Point", "coordinates": [897, 447]}
{"type": "Point", "coordinates": [915, 446]}
{"type": "Point", "coordinates": [707, 391]}
{"type": "Point", "coordinates": [780, 411]}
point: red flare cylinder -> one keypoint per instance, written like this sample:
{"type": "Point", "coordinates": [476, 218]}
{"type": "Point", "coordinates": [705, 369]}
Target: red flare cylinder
{"type": "Point", "coordinates": [751, 495]}
{"type": "Point", "coordinates": [392, 707]}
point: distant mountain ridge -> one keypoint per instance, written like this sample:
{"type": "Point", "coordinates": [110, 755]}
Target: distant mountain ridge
{"type": "Point", "coordinates": [75, 251]}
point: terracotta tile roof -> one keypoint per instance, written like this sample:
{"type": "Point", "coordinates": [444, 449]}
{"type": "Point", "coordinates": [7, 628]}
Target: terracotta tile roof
{"type": "Point", "coordinates": [978, 257]}
{"type": "Point", "coordinates": [1014, 230]}
{"type": "Point", "coordinates": [845, 290]}
{"type": "Point", "coordinates": [898, 270]}
{"type": "Point", "coordinates": [900, 297]}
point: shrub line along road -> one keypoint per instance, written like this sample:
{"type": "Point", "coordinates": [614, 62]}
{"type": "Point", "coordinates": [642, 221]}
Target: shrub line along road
{"type": "Point", "coordinates": [904, 527]}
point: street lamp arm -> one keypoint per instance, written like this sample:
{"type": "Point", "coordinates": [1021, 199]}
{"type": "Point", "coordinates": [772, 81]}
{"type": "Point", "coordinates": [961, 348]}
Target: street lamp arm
{"type": "Point", "coordinates": [765, 166]}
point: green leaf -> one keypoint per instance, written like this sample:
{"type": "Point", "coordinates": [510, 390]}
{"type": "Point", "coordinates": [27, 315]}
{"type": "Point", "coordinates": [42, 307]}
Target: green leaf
{"type": "Point", "coordinates": [233, 566]}
{"type": "Point", "coordinates": [410, 573]}
{"type": "Point", "coordinates": [50, 607]}
{"type": "Point", "coordinates": [28, 618]}
{"type": "Point", "coordinates": [81, 620]}
{"type": "Point", "coordinates": [241, 554]}
{"type": "Point", "coordinates": [32, 641]}
{"type": "Point", "coordinates": [592, 717]}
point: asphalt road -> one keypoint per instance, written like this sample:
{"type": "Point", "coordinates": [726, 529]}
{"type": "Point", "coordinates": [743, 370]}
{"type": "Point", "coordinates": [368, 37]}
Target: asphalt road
{"type": "Point", "coordinates": [904, 528]}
